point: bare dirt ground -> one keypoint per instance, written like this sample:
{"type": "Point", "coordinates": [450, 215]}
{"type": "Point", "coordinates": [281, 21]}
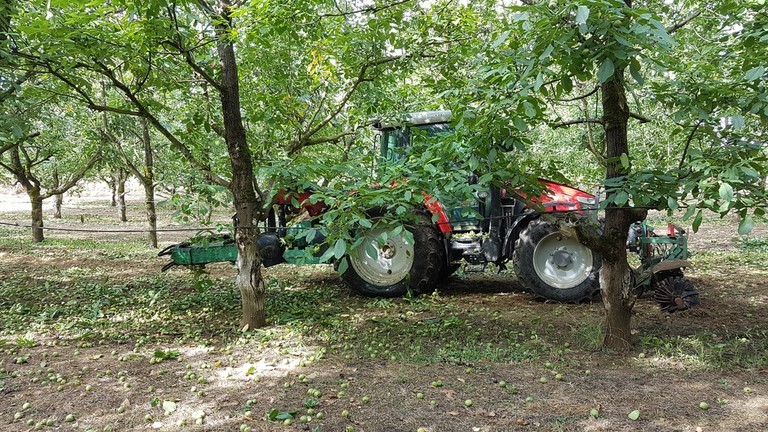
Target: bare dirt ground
{"type": "Point", "coordinates": [92, 330]}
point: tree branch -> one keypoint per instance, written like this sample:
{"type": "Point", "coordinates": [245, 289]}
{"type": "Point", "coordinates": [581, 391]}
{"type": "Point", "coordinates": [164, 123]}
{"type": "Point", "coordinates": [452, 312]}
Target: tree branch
{"type": "Point", "coordinates": [121, 151]}
{"type": "Point", "coordinates": [7, 146]}
{"type": "Point", "coordinates": [369, 9]}
{"type": "Point", "coordinates": [688, 143]}
{"type": "Point", "coordinates": [305, 138]}
{"type": "Point", "coordinates": [75, 177]}
{"type": "Point", "coordinates": [683, 23]}
{"type": "Point", "coordinates": [14, 87]}
{"type": "Point", "coordinates": [295, 146]}
{"type": "Point", "coordinates": [86, 97]}
{"type": "Point", "coordinates": [579, 121]}
{"type": "Point", "coordinates": [10, 145]}
{"type": "Point", "coordinates": [640, 117]}
{"type": "Point", "coordinates": [143, 112]}
{"type": "Point", "coordinates": [187, 53]}
{"type": "Point", "coordinates": [584, 96]}
{"type": "Point", "coordinates": [102, 108]}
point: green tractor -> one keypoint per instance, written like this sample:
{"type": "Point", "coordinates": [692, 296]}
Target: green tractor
{"type": "Point", "coordinates": [534, 234]}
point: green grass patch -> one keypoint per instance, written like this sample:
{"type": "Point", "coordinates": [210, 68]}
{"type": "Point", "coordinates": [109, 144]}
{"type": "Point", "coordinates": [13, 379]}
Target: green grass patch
{"type": "Point", "coordinates": [757, 245]}
{"type": "Point", "coordinates": [713, 351]}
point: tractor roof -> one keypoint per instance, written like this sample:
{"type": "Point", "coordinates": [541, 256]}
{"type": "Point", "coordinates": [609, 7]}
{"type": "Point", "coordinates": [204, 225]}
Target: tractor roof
{"type": "Point", "coordinates": [416, 119]}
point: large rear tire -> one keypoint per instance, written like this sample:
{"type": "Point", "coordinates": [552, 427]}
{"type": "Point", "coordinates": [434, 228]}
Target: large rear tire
{"type": "Point", "coordinates": [398, 265]}
{"type": "Point", "coordinates": [554, 265]}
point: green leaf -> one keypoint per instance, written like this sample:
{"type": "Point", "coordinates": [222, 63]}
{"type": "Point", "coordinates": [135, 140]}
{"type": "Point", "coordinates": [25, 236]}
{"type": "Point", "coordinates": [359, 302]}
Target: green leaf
{"type": "Point", "coordinates": [343, 265]}
{"type": "Point", "coordinates": [697, 221]}
{"type": "Point", "coordinates": [620, 198]}
{"type": "Point", "coordinates": [754, 73]}
{"type": "Point", "coordinates": [473, 162]}
{"type": "Point", "coordinates": [634, 70]}
{"type": "Point", "coordinates": [371, 250]}
{"type": "Point", "coordinates": [689, 212]}
{"type": "Point", "coordinates": [277, 415]}
{"type": "Point", "coordinates": [530, 111]}
{"type": "Point", "coordinates": [365, 223]}
{"type": "Point", "coordinates": [726, 192]}
{"type": "Point", "coordinates": [737, 121]}
{"type": "Point", "coordinates": [166, 355]}
{"type": "Point", "coordinates": [547, 52]}
{"type": "Point", "coordinates": [408, 237]}
{"type": "Point", "coordinates": [624, 160]}
{"type": "Point", "coordinates": [634, 415]}
{"type": "Point", "coordinates": [396, 231]}
{"type": "Point", "coordinates": [329, 253]}
{"type": "Point", "coordinates": [500, 40]}
{"type": "Point", "coordinates": [582, 14]}
{"type": "Point", "coordinates": [606, 70]}
{"type": "Point", "coordinates": [339, 248]}
{"type": "Point", "coordinates": [746, 225]}
{"type": "Point", "coordinates": [672, 203]}
{"type": "Point", "coordinates": [749, 172]}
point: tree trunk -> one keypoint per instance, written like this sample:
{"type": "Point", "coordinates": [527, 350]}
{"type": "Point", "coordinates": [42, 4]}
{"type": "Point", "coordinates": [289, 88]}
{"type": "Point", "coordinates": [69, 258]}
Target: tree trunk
{"type": "Point", "coordinates": [616, 281]}
{"type": "Point", "coordinates": [249, 278]}
{"type": "Point", "coordinates": [58, 199]}
{"type": "Point", "coordinates": [148, 181]}
{"type": "Point", "coordinates": [120, 183]}
{"type": "Point", "coordinates": [113, 189]}
{"type": "Point", "coordinates": [149, 196]}
{"type": "Point", "coordinates": [243, 186]}
{"type": "Point", "coordinates": [615, 275]}
{"type": "Point", "coordinates": [37, 214]}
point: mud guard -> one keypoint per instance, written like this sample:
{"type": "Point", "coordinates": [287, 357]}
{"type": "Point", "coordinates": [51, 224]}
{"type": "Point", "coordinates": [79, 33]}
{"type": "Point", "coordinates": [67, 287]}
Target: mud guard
{"type": "Point", "coordinates": [671, 264]}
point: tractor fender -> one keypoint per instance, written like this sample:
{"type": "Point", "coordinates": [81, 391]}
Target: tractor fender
{"type": "Point", "coordinates": [671, 264]}
{"type": "Point", "coordinates": [524, 215]}
{"type": "Point", "coordinates": [435, 208]}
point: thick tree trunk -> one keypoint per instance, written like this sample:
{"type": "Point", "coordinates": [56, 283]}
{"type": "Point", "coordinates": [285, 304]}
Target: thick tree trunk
{"type": "Point", "coordinates": [249, 278]}
{"type": "Point", "coordinates": [616, 281]}
{"type": "Point", "coordinates": [243, 185]}
{"type": "Point", "coordinates": [37, 214]}
{"type": "Point", "coordinates": [615, 275]}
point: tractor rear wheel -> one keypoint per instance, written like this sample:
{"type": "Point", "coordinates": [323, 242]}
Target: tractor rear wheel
{"type": "Point", "coordinates": [396, 266]}
{"type": "Point", "coordinates": [554, 264]}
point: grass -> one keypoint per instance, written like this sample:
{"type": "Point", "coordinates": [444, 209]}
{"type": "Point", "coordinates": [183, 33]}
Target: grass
{"type": "Point", "coordinates": [740, 350]}
{"type": "Point", "coordinates": [86, 303]}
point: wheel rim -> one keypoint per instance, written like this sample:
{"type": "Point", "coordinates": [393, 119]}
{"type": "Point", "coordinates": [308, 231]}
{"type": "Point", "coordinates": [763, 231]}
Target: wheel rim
{"type": "Point", "coordinates": [561, 261]}
{"type": "Point", "coordinates": [389, 265]}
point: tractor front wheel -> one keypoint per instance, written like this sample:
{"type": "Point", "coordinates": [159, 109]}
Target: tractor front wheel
{"type": "Point", "coordinates": [554, 265]}
{"type": "Point", "coordinates": [392, 266]}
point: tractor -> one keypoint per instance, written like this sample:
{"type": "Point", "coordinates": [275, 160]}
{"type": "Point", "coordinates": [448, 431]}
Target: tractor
{"type": "Point", "coordinates": [497, 227]}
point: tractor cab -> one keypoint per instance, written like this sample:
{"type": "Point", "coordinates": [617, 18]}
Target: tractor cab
{"type": "Point", "coordinates": [396, 137]}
